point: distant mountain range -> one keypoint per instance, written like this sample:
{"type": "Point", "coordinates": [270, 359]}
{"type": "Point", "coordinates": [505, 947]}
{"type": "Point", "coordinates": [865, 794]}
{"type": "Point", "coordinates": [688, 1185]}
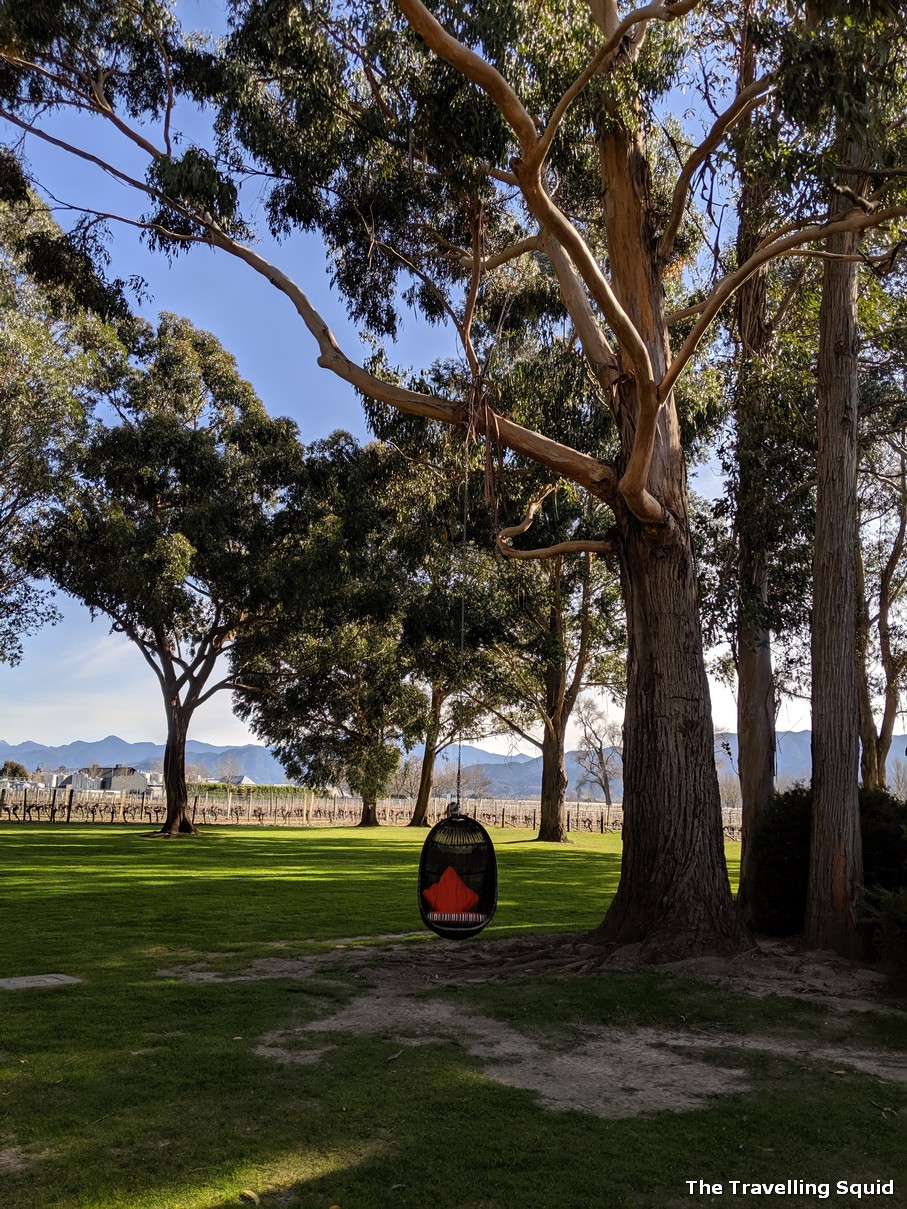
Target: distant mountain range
{"type": "Point", "coordinates": [508, 776]}
{"type": "Point", "coordinates": [254, 760]}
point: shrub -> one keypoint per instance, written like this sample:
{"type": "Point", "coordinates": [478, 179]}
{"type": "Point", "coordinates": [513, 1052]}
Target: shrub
{"type": "Point", "coordinates": [781, 863]}
{"type": "Point", "coordinates": [889, 913]}
{"type": "Point", "coordinates": [781, 854]}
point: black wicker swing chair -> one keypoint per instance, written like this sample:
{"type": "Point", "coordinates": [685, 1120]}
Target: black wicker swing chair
{"type": "Point", "coordinates": [458, 877]}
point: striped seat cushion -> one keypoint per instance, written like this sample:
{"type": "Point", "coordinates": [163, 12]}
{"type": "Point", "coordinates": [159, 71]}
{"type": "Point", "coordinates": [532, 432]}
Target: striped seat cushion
{"type": "Point", "coordinates": [456, 917]}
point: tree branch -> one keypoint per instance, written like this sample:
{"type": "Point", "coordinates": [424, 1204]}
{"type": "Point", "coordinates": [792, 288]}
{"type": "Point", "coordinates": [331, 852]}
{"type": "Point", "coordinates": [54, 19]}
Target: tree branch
{"type": "Point", "coordinates": [474, 68]}
{"type": "Point", "coordinates": [488, 263]}
{"type": "Point", "coordinates": [743, 103]}
{"type": "Point", "coordinates": [595, 344]}
{"type": "Point", "coordinates": [663, 12]}
{"type": "Point", "coordinates": [502, 540]}
{"type": "Point", "coordinates": [764, 253]}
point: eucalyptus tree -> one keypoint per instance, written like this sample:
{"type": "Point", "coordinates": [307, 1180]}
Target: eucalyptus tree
{"type": "Point", "coordinates": [328, 684]}
{"type": "Point", "coordinates": [843, 74]}
{"type": "Point", "coordinates": [56, 358]}
{"type": "Point", "coordinates": [562, 632]}
{"type": "Point", "coordinates": [436, 149]}
{"type": "Point", "coordinates": [881, 586]}
{"type": "Point", "coordinates": [175, 526]}
{"type": "Point", "coordinates": [440, 532]}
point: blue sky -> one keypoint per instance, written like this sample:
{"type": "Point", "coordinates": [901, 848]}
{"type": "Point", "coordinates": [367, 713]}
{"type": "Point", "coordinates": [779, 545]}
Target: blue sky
{"type": "Point", "coordinates": [76, 680]}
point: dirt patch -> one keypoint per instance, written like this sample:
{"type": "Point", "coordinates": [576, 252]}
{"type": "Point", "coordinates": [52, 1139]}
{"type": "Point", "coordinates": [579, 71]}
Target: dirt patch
{"type": "Point", "coordinates": [263, 969]}
{"type": "Point", "coordinates": [779, 967]}
{"type": "Point", "coordinates": [609, 1072]}
{"type": "Point", "coordinates": [15, 1158]}
{"type": "Point", "coordinates": [613, 1073]}
{"type": "Point", "coordinates": [774, 968]}
{"type": "Point", "coordinates": [291, 1057]}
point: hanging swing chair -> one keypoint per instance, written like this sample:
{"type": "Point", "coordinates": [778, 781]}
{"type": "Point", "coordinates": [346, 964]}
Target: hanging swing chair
{"type": "Point", "coordinates": [458, 877]}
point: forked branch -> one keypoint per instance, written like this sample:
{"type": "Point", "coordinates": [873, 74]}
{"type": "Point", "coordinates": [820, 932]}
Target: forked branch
{"type": "Point", "coordinates": [743, 104]}
{"type": "Point", "coordinates": [504, 546]}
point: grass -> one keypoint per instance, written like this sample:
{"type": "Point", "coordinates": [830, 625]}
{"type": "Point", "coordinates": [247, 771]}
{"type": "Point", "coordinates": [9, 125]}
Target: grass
{"type": "Point", "coordinates": [145, 1092]}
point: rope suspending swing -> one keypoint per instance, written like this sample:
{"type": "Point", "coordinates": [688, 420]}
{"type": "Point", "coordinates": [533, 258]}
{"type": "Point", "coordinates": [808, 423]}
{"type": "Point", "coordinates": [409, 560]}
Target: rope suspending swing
{"type": "Point", "coordinates": [458, 877]}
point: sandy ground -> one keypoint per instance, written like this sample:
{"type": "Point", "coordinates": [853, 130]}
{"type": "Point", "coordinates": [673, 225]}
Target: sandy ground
{"type": "Point", "coordinates": [609, 1072]}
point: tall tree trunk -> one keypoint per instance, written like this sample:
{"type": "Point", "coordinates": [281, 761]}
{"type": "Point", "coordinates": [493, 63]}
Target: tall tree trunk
{"type": "Point", "coordinates": [553, 811]}
{"type": "Point", "coordinates": [426, 777]}
{"type": "Point", "coordinates": [834, 907]}
{"type": "Point", "coordinates": [177, 821]}
{"type": "Point", "coordinates": [674, 895]}
{"type": "Point", "coordinates": [755, 678]}
{"type": "Point", "coordinates": [369, 813]}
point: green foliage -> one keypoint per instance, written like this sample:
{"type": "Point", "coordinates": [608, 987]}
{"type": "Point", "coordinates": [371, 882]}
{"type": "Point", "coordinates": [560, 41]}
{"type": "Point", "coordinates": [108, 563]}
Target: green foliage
{"type": "Point", "coordinates": [781, 854]}
{"type": "Point", "coordinates": [56, 362]}
{"type": "Point", "coordinates": [13, 770]}
{"type": "Point", "coordinates": [328, 687]}
{"type": "Point", "coordinates": [174, 514]}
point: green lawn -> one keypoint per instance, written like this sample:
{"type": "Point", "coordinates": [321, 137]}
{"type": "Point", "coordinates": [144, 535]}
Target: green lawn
{"type": "Point", "coordinates": [143, 1091]}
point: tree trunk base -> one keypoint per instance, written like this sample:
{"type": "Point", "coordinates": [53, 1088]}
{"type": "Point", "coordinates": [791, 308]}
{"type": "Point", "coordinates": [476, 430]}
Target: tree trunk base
{"type": "Point", "coordinates": [556, 834]}
{"type": "Point", "coordinates": [417, 823]}
{"type": "Point", "coordinates": [179, 827]}
{"type": "Point", "coordinates": [369, 817]}
{"type": "Point", "coordinates": [673, 938]}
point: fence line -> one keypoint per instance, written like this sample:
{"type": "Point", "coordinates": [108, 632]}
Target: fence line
{"type": "Point", "coordinates": [304, 809]}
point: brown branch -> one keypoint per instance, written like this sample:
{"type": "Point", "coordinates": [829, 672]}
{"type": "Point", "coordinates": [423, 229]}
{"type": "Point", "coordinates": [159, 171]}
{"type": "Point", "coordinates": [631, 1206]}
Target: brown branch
{"type": "Point", "coordinates": [487, 264]}
{"type": "Point", "coordinates": [854, 222]}
{"type": "Point", "coordinates": [593, 340]}
{"type": "Point", "coordinates": [663, 12]}
{"type": "Point", "coordinates": [745, 101]}
{"type": "Point", "coordinates": [474, 68]}
{"type": "Point", "coordinates": [502, 540]}
{"type": "Point", "coordinates": [686, 312]}
{"type": "Point", "coordinates": [787, 301]}
{"type": "Point", "coordinates": [633, 484]}
{"type": "Point", "coordinates": [469, 309]}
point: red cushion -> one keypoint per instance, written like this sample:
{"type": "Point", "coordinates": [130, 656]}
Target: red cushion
{"type": "Point", "coordinates": [450, 893]}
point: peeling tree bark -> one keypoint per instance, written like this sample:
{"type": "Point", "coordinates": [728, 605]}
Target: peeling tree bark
{"type": "Point", "coordinates": [674, 895]}
{"type": "Point", "coordinates": [834, 908]}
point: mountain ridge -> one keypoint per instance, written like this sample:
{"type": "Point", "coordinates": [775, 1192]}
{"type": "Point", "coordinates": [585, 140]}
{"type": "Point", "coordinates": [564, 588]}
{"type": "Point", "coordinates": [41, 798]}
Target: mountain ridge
{"type": "Point", "coordinates": [514, 775]}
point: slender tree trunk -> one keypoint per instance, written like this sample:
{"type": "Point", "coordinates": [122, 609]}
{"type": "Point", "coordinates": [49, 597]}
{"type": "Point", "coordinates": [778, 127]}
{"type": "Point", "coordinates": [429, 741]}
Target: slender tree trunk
{"type": "Point", "coordinates": [834, 907]}
{"type": "Point", "coordinates": [869, 749]}
{"type": "Point", "coordinates": [552, 808]}
{"type": "Point", "coordinates": [674, 895]}
{"type": "Point", "coordinates": [755, 677]}
{"type": "Point", "coordinates": [426, 778]}
{"type": "Point", "coordinates": [177, 821]}
{"type": "Point", "coordinates": [756, 744]}
{"type": "Point", "coordinates": [553, 811]}
{"type": "Point", "coordinates": [369, 813]}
